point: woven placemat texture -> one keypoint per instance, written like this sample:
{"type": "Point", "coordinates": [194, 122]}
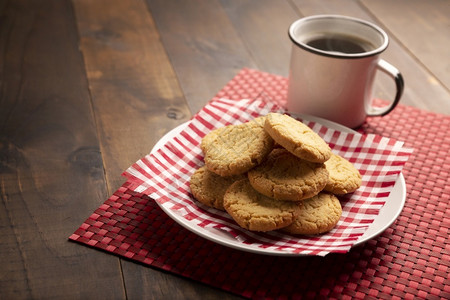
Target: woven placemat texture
{"type": "Point", "coordinates": [411, 259]}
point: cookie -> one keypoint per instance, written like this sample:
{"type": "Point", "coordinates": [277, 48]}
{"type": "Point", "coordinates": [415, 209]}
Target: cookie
{"type": "Point", "coordinates": [235, 149]}
{"type": "Point", "coordinates": [318, 214]}
{"type": "Point", "coordinates": [256, 212]}
{"type": "Point", "coordinates": [343, 176]}
{"type": "Point", "coordinates": [210, 137]}
{"type": "Point", "coordinates": [209, 188]}
{"type": "Point", "coordinates": [284, 176]}
{"type": "Point", "coordinates": [297, 138]}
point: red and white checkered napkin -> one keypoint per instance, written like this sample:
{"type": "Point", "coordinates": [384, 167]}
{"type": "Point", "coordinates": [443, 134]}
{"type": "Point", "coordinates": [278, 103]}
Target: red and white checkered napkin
{"type": "Point", "coordinates": [164, 175]}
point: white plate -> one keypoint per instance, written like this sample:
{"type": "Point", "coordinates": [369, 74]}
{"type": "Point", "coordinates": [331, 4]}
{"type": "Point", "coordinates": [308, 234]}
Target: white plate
{"type": "Point", "coordinates": [388, 214]}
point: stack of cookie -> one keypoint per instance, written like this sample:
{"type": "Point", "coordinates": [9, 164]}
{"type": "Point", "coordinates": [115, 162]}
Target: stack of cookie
{"type": "Point", "coordinates": [273, 173]}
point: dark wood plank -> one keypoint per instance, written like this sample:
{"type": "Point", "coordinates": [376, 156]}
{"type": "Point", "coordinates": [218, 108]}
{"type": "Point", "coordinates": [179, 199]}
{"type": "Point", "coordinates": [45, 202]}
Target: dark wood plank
{"type": "Point", "coordinates": [135, 93]}
{"type": "Point", "coordinates": [136, 100]}
{"type": "Point", "coordinates": [423, 29]}
{"type": "Point", "coordinates": [206, 51]}
{"type": "Point", "coordinates": [147, 283]}
{"type": "Point", "coordinates": [419, 90]}
{"type": "Point", "coordinates": [51, 170]}
{"type": "Point", "coordinates": [263, 27]}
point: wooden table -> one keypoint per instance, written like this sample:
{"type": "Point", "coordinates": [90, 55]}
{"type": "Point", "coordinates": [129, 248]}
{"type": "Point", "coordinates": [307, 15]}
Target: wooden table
{"type": "Point", "coordinates": [88, 87]}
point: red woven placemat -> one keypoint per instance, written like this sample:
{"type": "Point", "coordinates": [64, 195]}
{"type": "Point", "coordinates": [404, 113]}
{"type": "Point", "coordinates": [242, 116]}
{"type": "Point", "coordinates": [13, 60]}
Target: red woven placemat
{"type": "Point", "coordinates": [410, 259]}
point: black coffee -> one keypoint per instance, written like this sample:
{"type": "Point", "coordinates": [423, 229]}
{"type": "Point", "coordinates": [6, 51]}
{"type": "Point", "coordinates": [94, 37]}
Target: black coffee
{"type": "Point", "coordinates": [342, 44]}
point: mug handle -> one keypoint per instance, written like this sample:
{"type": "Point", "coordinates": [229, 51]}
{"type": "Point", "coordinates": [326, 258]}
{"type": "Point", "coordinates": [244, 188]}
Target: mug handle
{"type": "Point", "coordinates": [390, 70]}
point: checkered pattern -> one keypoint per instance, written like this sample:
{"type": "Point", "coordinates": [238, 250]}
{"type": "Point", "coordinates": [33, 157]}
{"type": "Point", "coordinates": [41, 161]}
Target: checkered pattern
{"type": "Point", "coordinates": [165, 174]}
{"type": "Point", "coordinates": [409, 260]}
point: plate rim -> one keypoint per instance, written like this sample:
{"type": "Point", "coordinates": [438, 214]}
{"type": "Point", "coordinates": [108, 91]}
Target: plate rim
{"type": "Point", "coordinates": [235, 244]}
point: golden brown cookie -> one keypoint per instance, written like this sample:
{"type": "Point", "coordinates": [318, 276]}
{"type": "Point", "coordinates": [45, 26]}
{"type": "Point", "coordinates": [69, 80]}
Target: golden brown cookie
{"type": "Point", "coordinates": [284, 176]}
{"type": "Point", "coordinates": [209, 188]}
{"type": "Point", "coordinates": [210, 137]}
{"type": "Point", "coordinates": [318, 214]}
{"type": "Point", "coordinates": [256, 212]}
{"type": "Point", "coordinates": [297, 138]}
{"type": "Point", "coordinates": [235, 149]}
{"type": "Point", "coordinates": [344, 177]}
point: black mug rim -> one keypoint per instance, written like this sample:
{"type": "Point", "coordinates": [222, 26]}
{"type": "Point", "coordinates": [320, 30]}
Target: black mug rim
{"type": "Point", "coordinates": [306, 47]}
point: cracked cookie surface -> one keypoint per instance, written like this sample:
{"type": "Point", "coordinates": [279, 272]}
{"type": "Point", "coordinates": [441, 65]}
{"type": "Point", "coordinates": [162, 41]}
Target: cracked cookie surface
{"type": "Point", "coordinates": [235, 149]}
{"type": "Point", "coordinates": [318, 214]}
{"type": "Point", "coordinates": [209, 188]}
{"type": "Point", "coordinates": [343, 176]}
{"type": "Point", "coordinates": [283, 176]}
{"type": "Point", "coordinates": [297, 138]}
{"type": "Point", "coordinates": [256, 212]}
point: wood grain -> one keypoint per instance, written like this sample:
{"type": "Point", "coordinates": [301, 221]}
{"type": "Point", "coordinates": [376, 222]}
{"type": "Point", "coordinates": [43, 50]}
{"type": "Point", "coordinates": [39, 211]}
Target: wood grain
{"type": "Point", "coordinates": [205, 49]}
{"type": "Point", "coordinates": [51, 169]}
{"type": "Point", "coordinates": [423, 29]}
{"type": "Point", "coordinates": [135, 93]}
{"type": "Point", "coordinates": [263, 28]}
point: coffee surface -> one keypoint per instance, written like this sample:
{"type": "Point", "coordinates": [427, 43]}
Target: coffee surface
{"type": "Point", "coordinates": [342, 44]}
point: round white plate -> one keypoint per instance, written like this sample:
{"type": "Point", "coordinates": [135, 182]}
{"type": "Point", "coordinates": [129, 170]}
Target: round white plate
{"type": "Point", "coordinates": [388, 213]}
